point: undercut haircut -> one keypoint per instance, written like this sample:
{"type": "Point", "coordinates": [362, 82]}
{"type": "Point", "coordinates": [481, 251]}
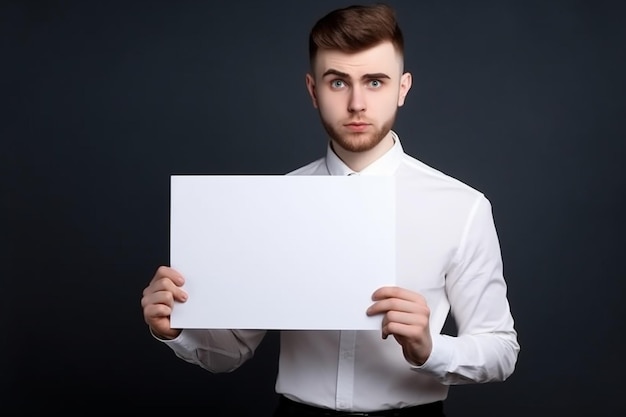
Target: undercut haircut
{"type": "Point", "coordinates": [355, 28]}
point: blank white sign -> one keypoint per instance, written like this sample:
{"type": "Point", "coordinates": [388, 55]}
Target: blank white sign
{"type": "Point", "coordinates": [281, 252]}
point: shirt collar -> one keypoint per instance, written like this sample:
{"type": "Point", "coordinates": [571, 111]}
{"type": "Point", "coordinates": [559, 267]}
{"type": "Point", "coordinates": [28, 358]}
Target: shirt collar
{"type": "Point", "coordinates": [385, 165]}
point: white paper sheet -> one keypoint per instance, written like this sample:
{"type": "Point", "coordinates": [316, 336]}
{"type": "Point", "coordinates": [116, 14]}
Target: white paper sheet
{"type": "Point", "coordinates": [281, 252]}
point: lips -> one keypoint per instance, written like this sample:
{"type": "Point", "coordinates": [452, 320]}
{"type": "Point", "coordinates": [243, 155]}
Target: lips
{"type": "Point", "coordinates": [357, 126]}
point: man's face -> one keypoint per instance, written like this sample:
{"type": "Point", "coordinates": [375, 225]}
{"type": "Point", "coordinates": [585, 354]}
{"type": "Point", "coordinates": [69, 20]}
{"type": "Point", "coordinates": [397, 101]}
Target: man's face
{"type": "Point", "coordinates": [357, 95]}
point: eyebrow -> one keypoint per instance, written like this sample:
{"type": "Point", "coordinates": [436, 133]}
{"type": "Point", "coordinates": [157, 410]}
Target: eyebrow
{"type": "Point", "coordinates": [376, 75]}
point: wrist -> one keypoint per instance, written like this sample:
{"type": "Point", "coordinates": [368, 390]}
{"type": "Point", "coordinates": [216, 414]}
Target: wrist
{"type": "Point", "coordinates": [173, 334]}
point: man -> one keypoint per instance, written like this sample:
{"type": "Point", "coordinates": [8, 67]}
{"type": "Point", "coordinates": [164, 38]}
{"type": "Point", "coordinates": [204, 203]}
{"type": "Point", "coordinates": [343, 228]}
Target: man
{"type": "Point", "coordinates": [449, 260]}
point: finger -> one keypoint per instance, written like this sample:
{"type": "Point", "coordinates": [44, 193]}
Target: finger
{"type": "Point", "coordinates": [166, 284]}
{"type": "Point", "coordinates": [412, 331]}
{"type": "Point", "coordinates": [400, 317]}
{"type": "Point", "coordinates": [160, 297]}
{"type": "Point", "coordinates": [392, 304]}
{"type": "Point", "coordinates": [385, 292]}
{"type": "Point", "coordinates": [396, 292]}
{"type": "Point", "coordinates": [156, 311]}
{"type": "Point", "coordinates": [168, 272]}
{"type": "Point", "coordinates": [404, 324]}
{"type": "Point", "coordinates": [400, 330]}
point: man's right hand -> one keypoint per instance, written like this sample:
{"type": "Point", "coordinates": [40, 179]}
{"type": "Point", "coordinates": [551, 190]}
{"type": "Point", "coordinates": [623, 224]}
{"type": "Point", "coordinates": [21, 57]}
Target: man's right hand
{"type": "Point", "coordinates": [158, 300]}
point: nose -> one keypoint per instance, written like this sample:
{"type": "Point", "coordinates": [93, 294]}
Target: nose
{"type": "Point", "coordinates": [357, 101]}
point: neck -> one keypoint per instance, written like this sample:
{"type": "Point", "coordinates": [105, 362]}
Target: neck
{"type": "Point", "coordinates": [357, 161]}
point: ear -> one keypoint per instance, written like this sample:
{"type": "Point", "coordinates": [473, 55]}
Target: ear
{"type": "Point", "coordinates": [405, 85]}
{"type": "Point", "coordinates": [310, 85]}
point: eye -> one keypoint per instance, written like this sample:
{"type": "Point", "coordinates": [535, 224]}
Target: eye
{"type": "Point", "coordinates": [376, 83]}
{"type": "Point", "coordinates": [337, 83]}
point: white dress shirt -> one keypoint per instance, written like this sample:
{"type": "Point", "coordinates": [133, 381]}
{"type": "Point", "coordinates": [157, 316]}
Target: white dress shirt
{"type": "Point", "coordinates": [448, 251]}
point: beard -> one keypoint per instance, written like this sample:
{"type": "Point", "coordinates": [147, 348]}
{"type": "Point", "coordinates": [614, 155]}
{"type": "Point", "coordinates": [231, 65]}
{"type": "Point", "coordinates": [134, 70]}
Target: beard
{"type": "Point", "coordinates": [358, 141]}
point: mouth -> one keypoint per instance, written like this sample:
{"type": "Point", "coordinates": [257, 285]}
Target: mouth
{"type": "Point", "coordinates": [357, 126]}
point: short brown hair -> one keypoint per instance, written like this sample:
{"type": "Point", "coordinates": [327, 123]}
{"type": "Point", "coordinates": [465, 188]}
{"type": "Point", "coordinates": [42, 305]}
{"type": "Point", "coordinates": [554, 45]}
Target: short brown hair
{"type": "Point", "coordinates": [355, 28]}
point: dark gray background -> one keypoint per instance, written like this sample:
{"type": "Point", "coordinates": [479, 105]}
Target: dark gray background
{"type": "Point", "coordinates": [103, 100]}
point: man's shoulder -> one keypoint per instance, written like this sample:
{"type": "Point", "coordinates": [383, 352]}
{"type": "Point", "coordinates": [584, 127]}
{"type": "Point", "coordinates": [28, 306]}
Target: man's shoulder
{"type": "Point", "coordinates": [430, 176]}
{"type": "Point", "coordinates": [317, 167]}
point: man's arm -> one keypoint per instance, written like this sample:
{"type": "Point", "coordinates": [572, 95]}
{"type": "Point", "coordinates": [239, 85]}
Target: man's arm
{"type": "Point", "coordinates": [220, 350]}
{"type": "Point", "coordinates": [486, 347]}
{"type": "Point", "coordinates": [214, 350]}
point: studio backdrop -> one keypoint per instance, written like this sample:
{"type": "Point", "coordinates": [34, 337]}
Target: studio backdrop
{"type": "Point", "coordinates": [103, 100]}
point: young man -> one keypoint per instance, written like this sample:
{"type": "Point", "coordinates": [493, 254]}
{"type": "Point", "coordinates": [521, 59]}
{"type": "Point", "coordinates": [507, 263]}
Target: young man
{"type": "Point", "coordinates": [449, 261]}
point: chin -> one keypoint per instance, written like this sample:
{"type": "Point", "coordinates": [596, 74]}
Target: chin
{"type": "Point", "coordinates": [357, 142]}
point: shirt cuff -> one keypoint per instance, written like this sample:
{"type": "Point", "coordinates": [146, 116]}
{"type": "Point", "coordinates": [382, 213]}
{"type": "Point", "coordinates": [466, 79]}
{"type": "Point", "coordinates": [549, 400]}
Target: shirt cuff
{"type": "Point", "coordinates": [439, 360]}
{"type": "Point", "coordinates": [180, 340]}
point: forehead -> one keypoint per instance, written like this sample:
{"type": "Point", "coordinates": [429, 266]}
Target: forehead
{"type": "Point", "coordinates": [382, 58]}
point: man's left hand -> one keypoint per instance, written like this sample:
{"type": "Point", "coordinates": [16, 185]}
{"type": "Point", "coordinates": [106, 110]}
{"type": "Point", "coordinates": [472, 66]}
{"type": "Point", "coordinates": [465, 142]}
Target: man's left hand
{"type": "Point", "coordinates": [406, 317]}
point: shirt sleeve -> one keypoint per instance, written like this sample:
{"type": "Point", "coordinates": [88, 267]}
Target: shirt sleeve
{"type": "Point", "coordinates": [217, 351]}
{"type": "Point", "coordinates": [486, 347]}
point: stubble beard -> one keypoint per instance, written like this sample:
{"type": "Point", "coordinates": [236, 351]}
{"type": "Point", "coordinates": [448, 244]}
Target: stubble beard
{"type": "Point", "coordinates": [358, 141]}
